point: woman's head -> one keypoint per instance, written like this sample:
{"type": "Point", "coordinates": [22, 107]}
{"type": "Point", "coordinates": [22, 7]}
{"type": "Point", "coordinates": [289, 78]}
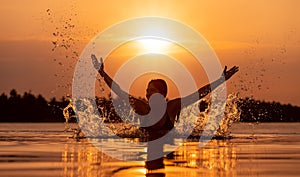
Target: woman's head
{"type": "Point", "coordinates": [157, 86]}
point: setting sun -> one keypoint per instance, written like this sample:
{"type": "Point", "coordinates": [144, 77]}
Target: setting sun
{"type": "Point", "coordinates": [154, 45]}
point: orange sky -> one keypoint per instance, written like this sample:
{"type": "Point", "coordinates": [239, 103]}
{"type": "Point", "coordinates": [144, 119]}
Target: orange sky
{"type": "Point", "coordinates": [262, 37]}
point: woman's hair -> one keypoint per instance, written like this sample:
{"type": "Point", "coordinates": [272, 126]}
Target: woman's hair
{"type": "Point", "coordinates": [161, 85]}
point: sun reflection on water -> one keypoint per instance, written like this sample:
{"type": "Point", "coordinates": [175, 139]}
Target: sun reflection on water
{"type": "Point", "coordinates": [84, 160]}
{"type": "Point", "coordinates": [217, 158]}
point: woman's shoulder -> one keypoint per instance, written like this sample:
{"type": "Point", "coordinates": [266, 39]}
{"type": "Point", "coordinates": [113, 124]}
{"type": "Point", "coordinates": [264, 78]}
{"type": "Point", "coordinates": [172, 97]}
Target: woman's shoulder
{"type": "Point", "coordinates": [173, 107]}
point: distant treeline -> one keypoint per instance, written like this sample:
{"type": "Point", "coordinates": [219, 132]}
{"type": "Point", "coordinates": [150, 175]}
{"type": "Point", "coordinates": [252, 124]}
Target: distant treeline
{"type": "Point", "coordinates": [261, 111]}
{"type": "Point", "coordinates": [30, 108]}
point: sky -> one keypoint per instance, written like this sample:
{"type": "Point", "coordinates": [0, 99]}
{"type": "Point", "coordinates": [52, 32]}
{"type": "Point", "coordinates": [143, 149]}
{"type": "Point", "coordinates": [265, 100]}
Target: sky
{"type": "Point", "coordinates": [40, 42]}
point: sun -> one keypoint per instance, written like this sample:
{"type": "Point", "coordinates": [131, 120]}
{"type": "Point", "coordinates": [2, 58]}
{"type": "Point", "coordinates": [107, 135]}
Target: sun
{"type": "Point", "coordinates": [154, 45]}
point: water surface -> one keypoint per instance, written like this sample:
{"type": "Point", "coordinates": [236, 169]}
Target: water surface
{"type": "Point", "coordinates": [44, 149]}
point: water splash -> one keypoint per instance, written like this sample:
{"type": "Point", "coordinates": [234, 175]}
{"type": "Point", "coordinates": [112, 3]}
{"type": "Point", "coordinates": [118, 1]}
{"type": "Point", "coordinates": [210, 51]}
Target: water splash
{"type": "Point", "coordinates": [76, 131]}
{"type": "Point", "coordinates": [95, 116]}
{"type": "Point", "coordinates": [231, 114]}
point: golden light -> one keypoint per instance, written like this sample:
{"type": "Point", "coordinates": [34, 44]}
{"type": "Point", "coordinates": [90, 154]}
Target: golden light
{"type": "Point", "coordinates": [154, 45]}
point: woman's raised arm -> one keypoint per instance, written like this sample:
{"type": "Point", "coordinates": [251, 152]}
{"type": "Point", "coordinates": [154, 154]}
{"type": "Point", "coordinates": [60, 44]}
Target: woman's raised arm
{"type": "Point", "coordinates": [138, 105]}
{"type": "Point", "coordinates": [203, 91]}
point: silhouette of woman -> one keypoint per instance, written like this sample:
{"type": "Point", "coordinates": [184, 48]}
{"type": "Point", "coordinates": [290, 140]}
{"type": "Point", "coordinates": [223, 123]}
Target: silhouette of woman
{"type": "Point", "coordinates": [156, 94]}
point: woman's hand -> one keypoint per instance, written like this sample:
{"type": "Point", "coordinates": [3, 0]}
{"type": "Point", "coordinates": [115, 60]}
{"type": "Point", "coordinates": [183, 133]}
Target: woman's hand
{"type": "Point", "coordinates": [228, 74]}
{"type": "Point", "coordinates": [98, 65]}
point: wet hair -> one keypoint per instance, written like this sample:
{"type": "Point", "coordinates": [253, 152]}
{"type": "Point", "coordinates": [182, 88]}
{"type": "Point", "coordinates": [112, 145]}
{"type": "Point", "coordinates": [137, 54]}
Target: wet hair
{"type": "Point", "coordinates": [161, 85]}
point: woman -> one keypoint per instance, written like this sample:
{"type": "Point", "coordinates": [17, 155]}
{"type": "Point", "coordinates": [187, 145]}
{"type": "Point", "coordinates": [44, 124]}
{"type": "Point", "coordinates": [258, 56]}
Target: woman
{"type": "Point", "coordinates": [159, 114]}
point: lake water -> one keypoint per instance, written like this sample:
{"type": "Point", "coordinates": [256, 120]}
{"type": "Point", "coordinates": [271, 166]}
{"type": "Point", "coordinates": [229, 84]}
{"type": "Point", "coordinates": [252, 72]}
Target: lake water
{"type": "Point", "coordinates": [44, 149]}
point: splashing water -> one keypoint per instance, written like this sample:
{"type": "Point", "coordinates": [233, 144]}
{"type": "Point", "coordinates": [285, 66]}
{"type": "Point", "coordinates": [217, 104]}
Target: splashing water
{"type": "Point", "coordinates": [77, 134]}
{"type": "Point", "coordinates": [96, 121]}
{"type": "Point", "coordinates": [202, 119]}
